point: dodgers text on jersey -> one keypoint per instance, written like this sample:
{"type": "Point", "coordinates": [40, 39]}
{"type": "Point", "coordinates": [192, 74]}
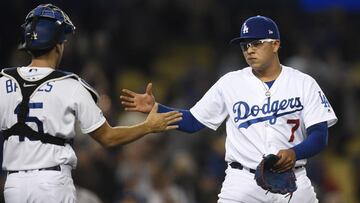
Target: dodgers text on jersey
{"type": "Point", "coordinates": [270, 110]}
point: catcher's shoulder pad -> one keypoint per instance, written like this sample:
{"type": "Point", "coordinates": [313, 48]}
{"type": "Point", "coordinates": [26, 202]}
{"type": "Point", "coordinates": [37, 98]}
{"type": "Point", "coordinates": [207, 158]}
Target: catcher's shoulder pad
{"type": "Point", "coordinates": [5, 70]}
{"type": "Point", "coordinates": [9, 72]}
{"type": "Point", "coordinates": [88, 87]}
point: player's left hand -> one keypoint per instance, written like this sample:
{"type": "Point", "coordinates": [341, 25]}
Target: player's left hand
{"type": "Point", "coordinates": [133, 101]}
{"type": "Point", "coordinates": [287, 160]}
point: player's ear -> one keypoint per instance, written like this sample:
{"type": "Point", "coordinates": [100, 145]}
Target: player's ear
{"type": "Point", "coordinates": [59, 48]}
{"type": "Point", "coordinates": [58, 51]}
{"type": "Point", "coordinates": [276, 46]}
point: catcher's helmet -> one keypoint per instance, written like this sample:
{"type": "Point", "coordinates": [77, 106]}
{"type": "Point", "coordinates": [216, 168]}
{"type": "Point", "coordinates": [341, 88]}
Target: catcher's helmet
{"type": "Point", "coordinates": [44, 27]}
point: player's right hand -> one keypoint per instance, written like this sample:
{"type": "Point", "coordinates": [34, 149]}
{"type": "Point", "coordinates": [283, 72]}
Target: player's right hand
{"type": "Point", "coordinates": [287, 160]}
{"type": "Point", "coordinates": [159, 122]}
{"type": "Point", "coordinates": [133, 101]}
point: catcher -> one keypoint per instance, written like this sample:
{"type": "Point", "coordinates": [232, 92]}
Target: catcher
{"type": "Point", "coordinates": [39, 106]}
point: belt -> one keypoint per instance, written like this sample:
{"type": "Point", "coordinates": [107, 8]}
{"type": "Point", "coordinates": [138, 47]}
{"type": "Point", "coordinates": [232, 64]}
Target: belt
{"type": "Point", "coordinates": [52, 168]}
{"type": "Point", "coordinates": [239, 166]}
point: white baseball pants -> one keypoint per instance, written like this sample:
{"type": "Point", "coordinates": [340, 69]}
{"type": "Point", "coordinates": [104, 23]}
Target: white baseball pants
{"type": "Point", "coordinates": [36, 186]}
{"type": "Point", "coordinates": [240, 186]}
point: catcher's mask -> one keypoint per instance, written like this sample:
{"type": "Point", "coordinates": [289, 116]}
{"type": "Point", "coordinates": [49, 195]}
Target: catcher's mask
{"type": "Point", "coordinates": [44, 27]}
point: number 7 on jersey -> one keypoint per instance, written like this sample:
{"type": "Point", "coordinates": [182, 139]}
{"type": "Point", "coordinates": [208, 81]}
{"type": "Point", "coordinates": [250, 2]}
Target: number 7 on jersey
{"type": "Point", "coordinates": [296, 123]}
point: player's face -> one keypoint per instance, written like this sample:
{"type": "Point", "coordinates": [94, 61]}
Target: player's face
{"type": "Point", "coordinates": [259, 54]}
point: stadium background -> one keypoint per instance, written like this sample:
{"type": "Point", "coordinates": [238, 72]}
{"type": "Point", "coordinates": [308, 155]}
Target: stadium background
{"type": "Point", "coordinates": [182, 47]}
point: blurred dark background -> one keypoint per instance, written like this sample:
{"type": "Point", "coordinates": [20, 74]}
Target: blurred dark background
{"type": "Point", "coordinates": [181, 46]}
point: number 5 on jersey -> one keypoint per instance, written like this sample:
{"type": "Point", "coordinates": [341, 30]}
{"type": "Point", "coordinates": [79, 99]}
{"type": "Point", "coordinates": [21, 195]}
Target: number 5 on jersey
{"type": "Point", "coordinates": [30, 119]}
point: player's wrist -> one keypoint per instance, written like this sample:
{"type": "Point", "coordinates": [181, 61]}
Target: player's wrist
{"type": "Point", "coordinates": [295, 149]}
{"type": "Point", "coordinates": [292, 151]}
{"type": "Point", "coordinates": [147, 127]}
{"type": "Point", "coordinates": [163, 109]}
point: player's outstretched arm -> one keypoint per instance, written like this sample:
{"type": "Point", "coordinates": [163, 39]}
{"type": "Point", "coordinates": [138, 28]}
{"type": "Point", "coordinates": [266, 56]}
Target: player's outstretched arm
{"type": "Point", "coordinates": [133, 101]}
{"type": "Point", "coordinates": [144, 102]}
{"type": "Point", "coordinates": [155, 122]}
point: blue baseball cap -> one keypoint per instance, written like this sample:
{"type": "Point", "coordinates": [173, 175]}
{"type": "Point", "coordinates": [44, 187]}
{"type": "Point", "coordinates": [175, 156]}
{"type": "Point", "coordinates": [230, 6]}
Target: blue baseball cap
{"type": "Point", "coordinates": [257, 27]}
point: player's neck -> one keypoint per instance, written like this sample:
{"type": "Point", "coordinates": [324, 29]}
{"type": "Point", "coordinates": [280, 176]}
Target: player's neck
{"type": "Point", "coordinates": [41, 64]}
{"type": "Point", "coordinates": [268, 74]}
{"type": "Point", "coordinates": [45, 61]}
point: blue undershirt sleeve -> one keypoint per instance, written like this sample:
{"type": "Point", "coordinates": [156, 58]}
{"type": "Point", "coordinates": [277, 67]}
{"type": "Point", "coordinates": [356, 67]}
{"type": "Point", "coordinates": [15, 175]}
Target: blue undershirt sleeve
{"type": "Point", "coordinates": [188, 124]}
{"type": "Point", "coordinates": [315, 142]}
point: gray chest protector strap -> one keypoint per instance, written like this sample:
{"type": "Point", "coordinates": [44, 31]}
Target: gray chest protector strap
{"type": "Point", "coordinates": [27, 89]}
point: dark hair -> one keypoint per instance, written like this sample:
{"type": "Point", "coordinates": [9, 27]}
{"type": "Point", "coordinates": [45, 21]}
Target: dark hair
{"type": "Point", "coordinates": [38, 53]}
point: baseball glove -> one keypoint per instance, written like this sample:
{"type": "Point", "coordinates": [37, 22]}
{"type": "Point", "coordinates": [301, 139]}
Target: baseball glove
{"type": "Point", "coordinates": [266, 178]}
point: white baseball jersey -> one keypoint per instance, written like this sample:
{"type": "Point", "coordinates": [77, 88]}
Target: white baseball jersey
{"type": "Point", "coordinates": [54, 108]}
{"type": "Point", "coordinates": [259, 120]}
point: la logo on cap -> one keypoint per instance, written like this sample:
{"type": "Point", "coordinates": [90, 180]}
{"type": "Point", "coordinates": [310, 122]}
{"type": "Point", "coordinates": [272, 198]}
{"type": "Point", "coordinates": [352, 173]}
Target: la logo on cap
{"type": "Point", "coordinates": [271, 32]}
{"type": "Point", "coordinates": [245, 29]}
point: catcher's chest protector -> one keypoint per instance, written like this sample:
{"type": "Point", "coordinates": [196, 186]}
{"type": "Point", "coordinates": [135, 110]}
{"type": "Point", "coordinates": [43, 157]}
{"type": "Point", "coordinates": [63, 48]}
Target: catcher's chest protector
{"type": "Point", "coordinates": [27, 90]}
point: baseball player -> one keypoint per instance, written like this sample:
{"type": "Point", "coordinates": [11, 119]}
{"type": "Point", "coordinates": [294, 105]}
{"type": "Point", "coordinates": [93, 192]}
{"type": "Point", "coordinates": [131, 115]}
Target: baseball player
{"type": "Point", "coordinates": [38, 109]}
{"type": "Point", "coordinates": [268, 108]}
